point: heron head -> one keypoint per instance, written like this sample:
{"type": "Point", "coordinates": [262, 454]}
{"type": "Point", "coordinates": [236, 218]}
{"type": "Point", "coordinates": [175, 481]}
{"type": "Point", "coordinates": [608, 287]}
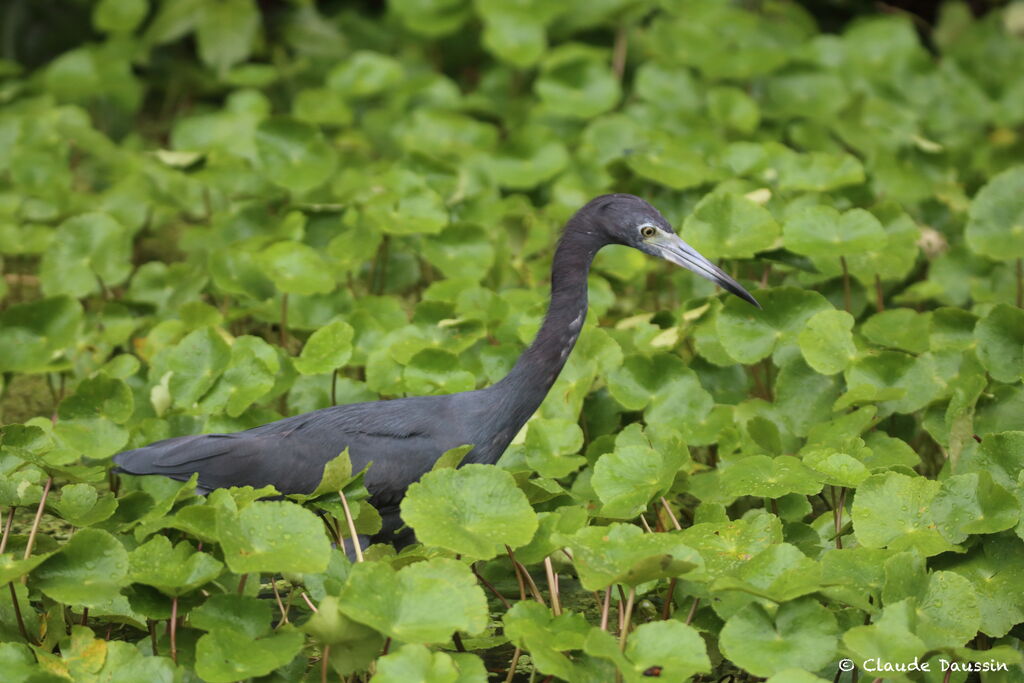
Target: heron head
{"type": "Point", "coordinates": [633, 222]}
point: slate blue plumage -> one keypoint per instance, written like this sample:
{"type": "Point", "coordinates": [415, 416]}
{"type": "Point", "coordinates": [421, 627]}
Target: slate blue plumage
{"type": "Point", "coordinates": [404, 437]}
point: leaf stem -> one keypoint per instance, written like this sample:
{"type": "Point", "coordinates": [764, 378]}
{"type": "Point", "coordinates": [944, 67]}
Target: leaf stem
{"type": "Point", "coordinates": [310, 603]}
{"type": "Point", "coordinates": [675, 522]}
{"type": "Point", "coordinates": [280, 604]}
{"type": "Point", "coordinates": [526, 577]}
{"type": "Point", "coordinates": [174, 629]}
{"type": "Point", "coordinates": [838, 515]}
{"type": "Point", "coordinates": [17, 614]}
{"type": "Point", "coordinates": [490, 586]}
{"type": "Point", "coordinates": [512, 665]}
{"type": "Point", "coordinates": [619, 52]}
{"type": "Point", "coordinates": [38, 518]}
{"type": "Point", "coordinates": [606, 608]}
{"type": "Point", "coordinates": [627, 618]}
{"type": "Point", "coordinates": [323, 663]}
{"type": "Point", "coordinates": [7, 530]}
{"type": "Point", "coordinates": [666, 610]}
{"type": "Point", "coordinates": [556, 605]}
{"type": "Point", "coordinates": [693, 611]}
{"type": "Point", "coordinates": [351, 527]}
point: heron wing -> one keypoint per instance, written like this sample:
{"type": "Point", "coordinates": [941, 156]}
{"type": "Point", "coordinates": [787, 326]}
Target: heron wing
{"type": "Point", "coordinates": [401, 438]}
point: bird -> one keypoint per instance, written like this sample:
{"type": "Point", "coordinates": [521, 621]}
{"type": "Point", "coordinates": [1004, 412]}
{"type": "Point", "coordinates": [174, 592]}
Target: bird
{"type": "Point", "coordinates": [401, 439]}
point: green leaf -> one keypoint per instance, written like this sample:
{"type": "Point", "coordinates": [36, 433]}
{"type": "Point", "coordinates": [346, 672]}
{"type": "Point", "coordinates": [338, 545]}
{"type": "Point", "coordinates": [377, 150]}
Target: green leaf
{"type": "Point", "coordinates": [32, 335]}
{"type": "Point", "coordinates": [995, 224]}
{"type": "Point", "coordinates": [432, 18]}
{"type": "Point", "coordinates": [250, 374]}
{"type": "Point", "coordinates": [224, 655]}
{"type": "Point", "coordinates": [730, 226]}
{"type": "Point", "coordinates": [767, 477]}
{"type": "Point", "coordinates": [474, 511]}
{"type": "Point", "coordinates": [749, 335]}
{"type": "Point", "coordinates": [675, 648]}
{"type": "Point", "coordinates": [417, 663]}
{"type": "Point", "coordinates": [294, 154]}
{"type": "Point", "coordinates": [328, 348]}
{"type": "Point", "coordinates": [890, 638]}
{"type": "Point", "coordinates": [435, 371]}
{"type": "Point", "coordinates": [275, 536]}
{"type": "Point", "coordinates": [196, 363]}
{"type": "Point", "coordinates": [232, 612]}
{"type": "Point", "coordinates": [406, 204]}
{"type": "Point", "coordinates": [623, 553]}
{"type": "Point", "coordinates": [893, 510]}
{"type": "Point", "coordinates": [629, 477]}
{"type": "Point", "coordinates": [550, 445]}
{"type": "Point", "coordinates": [995, 569]}
{"type": "Point", "coordinates": [423, 602]}
{"type": "Point", "coordinates": [296, 268]}
{"type": "Point", "coordinates": [119, 16]}
{"type": "Point", "coordinates": [576, 81]}
{"type": "Point", "coordinates": [822, 233]}
{"type": "Point", "coordinates": [899, 328]}
{"type": "Point", "coordinates": [174, 570]}
{"type": "Point", "coordinates": [225, 32]}
{"type": "Point", "coordinates": [89, 570]}
{"type": "Point", "coordinates": [12, 569]}
{"type": "Point", "coordinates": [821, 172]}
{"type": "Point", "coordinates": [779, 573]}
{"type": "Point", "coordinates": [826, 342]}
{"type": "Point", "coordinates": [917, 377]}
{"type": "Point", "coordinates": [801, 633]}
{"type": "Point", "coordinates": [365, 73]}
{"type": "Point", "coordinates": [81, 505]}
{"type": "Point", "coordinates": [1000, 338]}
{"type": "Point", "coordinates": [353, 645]}
{"type": "Point", "coordinates": [91, 251]}
{"type": "Point", "coordinates": [531, 625]}
{"type": "Point", "coordinates": [969, 504]}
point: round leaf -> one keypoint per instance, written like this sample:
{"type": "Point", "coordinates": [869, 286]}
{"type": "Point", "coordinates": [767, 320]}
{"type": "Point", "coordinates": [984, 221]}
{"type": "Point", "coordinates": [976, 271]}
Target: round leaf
{"type": "Point", "coordinates": [474, 511]}
{"type": "Point", "coordinates": [273, 536]}
{"type": "Point", "coordinates": [423, 602]}
{"type": "Point", "coordinates": [802, 633]}
{"type": "Point", "coordinates": [826, 341]}
{"type": "Point", "coordinates": [89, 570]}
{"type": "Point", "coordinates": [328, 348]}
{"type": "Point", "coordinates": [294, 154]}
{"type": "Point", "coordinates": [995, 224]}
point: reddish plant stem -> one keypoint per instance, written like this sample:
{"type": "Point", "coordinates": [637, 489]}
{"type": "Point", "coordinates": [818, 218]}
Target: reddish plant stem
{"type": "Point", "coordinates": [310, 603]}
{"type": "Point", "coordinates": [491, 587]}
{"type": "Point", "coordinates": [241, 583]}
{"type": "Point", "coordinates": [17, 614]}
{"type": "Point", "coordinates": [666, 610]}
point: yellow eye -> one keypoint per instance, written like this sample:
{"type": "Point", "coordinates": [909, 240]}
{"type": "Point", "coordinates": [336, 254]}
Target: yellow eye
{"type": "Point", "coordinates": [648, 231]}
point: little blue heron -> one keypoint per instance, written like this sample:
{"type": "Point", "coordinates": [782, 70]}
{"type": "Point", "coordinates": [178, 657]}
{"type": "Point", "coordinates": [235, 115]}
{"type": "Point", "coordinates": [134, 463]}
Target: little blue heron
{"type": "Point", "coordinates": [403, 438]}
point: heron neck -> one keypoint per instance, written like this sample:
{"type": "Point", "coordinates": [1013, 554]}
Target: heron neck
{"type": "Point", "coordinates": [524, 388]}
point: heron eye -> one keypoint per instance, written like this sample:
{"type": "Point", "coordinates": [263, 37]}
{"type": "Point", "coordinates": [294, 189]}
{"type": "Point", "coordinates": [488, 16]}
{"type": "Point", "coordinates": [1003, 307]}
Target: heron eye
{"type": "Point", "coordinates": [648, 231]}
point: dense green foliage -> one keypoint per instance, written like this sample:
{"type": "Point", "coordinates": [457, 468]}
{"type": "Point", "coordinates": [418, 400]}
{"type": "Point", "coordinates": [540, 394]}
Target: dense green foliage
{"type": "Point", "coordinates": [211, 217]}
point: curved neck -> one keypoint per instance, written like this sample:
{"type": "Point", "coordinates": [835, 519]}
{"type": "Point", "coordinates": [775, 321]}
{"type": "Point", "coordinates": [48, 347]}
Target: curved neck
{"type": "Point", "coordinates": [521, 392]}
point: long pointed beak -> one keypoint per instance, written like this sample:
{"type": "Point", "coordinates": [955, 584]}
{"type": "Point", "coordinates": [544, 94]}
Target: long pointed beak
{"type": "Point", "coordinates": [675, 250]}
